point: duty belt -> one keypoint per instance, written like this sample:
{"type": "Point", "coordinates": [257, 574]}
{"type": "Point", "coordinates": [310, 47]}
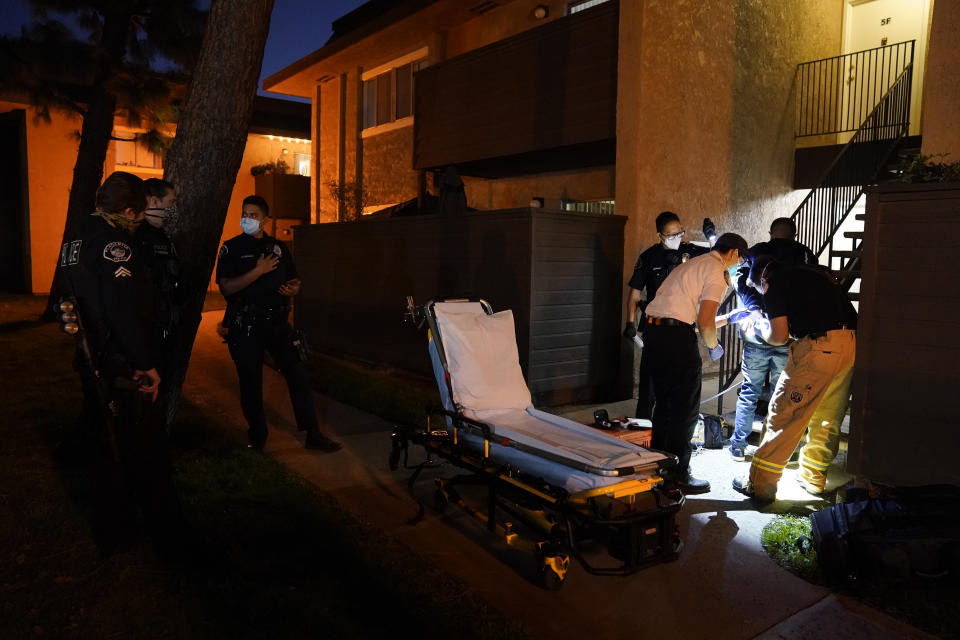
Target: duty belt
{"type": "Point", "coordinates": [667, 322]}
{"type": "Point", "coordinates": [264, 312]}
{"type": "Point", "coordinates": [823, 334]}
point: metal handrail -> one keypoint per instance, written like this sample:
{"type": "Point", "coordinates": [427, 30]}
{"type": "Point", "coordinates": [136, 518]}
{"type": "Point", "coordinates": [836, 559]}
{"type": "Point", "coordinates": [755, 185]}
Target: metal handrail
{"type": "Point", "coordinates": [826, 207]}
{"type": "Point", "coordinates": [836, 94]}
{"type": "Point", "coordinates": [859, 163]}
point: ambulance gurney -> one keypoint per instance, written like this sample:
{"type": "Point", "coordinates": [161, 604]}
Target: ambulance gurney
{"type": "Point", "coordinates": [573, 486]}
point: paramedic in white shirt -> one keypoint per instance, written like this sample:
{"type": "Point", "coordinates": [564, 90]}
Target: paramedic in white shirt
{"type": "Point", "coordinates": [687, 300]}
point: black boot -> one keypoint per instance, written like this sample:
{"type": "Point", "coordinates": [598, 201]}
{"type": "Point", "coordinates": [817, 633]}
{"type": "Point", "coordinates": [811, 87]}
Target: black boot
{"type": "Point", "coordinates": [316, 440]}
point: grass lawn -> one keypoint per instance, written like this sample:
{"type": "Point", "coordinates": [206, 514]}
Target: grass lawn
{"type": "Point", "coordinates": [272, 556]}
{"type": "Point", "coordinates": [931, 607]}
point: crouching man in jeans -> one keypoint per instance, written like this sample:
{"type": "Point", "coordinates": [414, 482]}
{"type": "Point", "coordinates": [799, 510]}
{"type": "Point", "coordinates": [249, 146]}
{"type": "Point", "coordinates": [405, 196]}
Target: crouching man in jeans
{"type": "Point", "coordinates": [814, 388]}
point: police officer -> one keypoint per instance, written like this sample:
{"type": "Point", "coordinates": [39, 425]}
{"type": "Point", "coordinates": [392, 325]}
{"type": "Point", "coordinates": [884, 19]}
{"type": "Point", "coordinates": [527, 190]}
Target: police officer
{"type": "Point", "coordinates": [164, 272]}
{"type": "Point", "coordinates": [257, 276]}
{"type": "Point", "coordinates": [107, 273]}
{"type": "Point", "coordinates": [813, 391]}
{"type": "Point", "coordinates": [687, 300]}
{"type": "Point", "coordinates": [652, 268]}
{"type": "Point", "coordinates": [759, 358]}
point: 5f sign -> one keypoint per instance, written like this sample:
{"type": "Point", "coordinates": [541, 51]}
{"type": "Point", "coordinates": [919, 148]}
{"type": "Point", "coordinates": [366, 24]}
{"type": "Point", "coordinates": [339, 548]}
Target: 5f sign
{"type": "Point", "coordinates": [885, 21]}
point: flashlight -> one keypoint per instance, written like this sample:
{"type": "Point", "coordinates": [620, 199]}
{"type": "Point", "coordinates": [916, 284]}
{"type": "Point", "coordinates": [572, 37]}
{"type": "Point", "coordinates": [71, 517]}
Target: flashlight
{"type": "Point", "coordinates": [709, 231]}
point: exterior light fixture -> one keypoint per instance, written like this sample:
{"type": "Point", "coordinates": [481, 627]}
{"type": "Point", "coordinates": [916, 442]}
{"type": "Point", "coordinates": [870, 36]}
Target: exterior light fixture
{"type": "Point", "coordinates": [540, 12]}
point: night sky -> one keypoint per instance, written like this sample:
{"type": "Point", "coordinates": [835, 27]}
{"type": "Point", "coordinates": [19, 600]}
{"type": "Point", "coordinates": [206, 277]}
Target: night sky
{"type": "Point", "coordinates": [297, 28]}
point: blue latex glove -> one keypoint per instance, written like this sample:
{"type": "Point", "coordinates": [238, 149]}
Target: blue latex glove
{"type": "Point", "coordinates": [738, 316]}
{"type": "Point", "coordinates": [717, 352]}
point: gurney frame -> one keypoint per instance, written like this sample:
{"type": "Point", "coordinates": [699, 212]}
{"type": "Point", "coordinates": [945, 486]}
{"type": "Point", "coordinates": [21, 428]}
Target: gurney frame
{"type": "Point", "coordinates": [633, 519]}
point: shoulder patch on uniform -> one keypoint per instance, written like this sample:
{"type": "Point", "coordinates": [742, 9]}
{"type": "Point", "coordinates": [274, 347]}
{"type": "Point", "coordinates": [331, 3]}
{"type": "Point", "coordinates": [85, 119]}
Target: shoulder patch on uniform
{"type": "Point", "coordinates": [277, 250]}
{"type": "Point", "coordinates": [122, 272]}
{"type": "Point", "coordinates": [70, 253]}
{"type": "Point", "coordinates": [223, 250]}
{"type": "Point", "coordinates": [117, 252]}
{"type": "Point", "coordinates": [796, 396]}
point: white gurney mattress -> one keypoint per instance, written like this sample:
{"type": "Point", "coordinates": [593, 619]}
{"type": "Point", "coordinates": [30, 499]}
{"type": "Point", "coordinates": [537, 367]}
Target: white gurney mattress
{"type": "Point", "coordinates": [488, 386]}
{"type": "Point", "coordinates": [562, 437]}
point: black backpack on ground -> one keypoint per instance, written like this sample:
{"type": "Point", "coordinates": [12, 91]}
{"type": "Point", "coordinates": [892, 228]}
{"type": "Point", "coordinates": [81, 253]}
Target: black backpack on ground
{"type": "Point", "coordinates": [912, 537]}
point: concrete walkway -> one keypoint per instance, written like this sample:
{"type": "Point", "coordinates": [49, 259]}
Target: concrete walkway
{"type": "Point", "coordinates": [723, 585]}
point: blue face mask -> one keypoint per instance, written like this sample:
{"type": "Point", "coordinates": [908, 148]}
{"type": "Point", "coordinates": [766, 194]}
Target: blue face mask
{"type": "Point", "coordinates": [249, 226]}
{"type": "Point", "coordinates": [733, 272]}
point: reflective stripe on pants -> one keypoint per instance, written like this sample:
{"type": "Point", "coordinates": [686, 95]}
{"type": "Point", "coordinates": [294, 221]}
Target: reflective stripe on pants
{"type": "Point", "coordinates": [811, 395]}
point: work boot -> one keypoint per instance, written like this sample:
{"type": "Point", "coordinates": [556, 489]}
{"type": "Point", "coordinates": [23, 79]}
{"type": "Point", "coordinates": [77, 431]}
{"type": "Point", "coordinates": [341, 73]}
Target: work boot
{"type": "Point", "coordinates": [809, 488]}
{"type": "Point", "coordinates": [690, 485]}
{"type": "Point", "coordinates": [316, 440]}
{"type": "Point", "coordinates": [742, 485]}
{"type": "Point", "coordinates": [736, 452]}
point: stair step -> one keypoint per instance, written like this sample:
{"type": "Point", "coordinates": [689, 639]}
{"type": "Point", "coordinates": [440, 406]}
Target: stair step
{"type": "Point", "coordinates": [853, 295]}
{"type": "Point", "coordinates": [860, 216]}
{"type": "Point", "coordinates": [853, 234]}
{"type": "Point", "coordinates": [908, 152]}
{"type": "Point", "coordinates": [845, 254]}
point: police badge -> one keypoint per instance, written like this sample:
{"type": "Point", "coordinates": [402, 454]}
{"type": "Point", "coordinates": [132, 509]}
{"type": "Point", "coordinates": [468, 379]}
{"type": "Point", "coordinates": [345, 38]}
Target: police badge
{"type": "Point", "coordinates": [117, 252]}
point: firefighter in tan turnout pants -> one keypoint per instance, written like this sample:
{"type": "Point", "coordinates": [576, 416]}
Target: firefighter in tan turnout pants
{"type": "Point", "coordinates": [814, 388]}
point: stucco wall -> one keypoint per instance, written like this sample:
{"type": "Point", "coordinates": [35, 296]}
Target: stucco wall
{"type": "Point", "coordinates": [502, 22]}
{"type": "Point", "coordinates": [705, 110]}
{"type": "Point", "coordinates": [941, 92]}
{"type": "Point", "coordinates": [509, 193]}
{"type": "Point", "coordinates": [328, 159]}
{"type": "Point", "coordinates": [388, 176]}
{"type": "Point", "coordinates": [51, 153]}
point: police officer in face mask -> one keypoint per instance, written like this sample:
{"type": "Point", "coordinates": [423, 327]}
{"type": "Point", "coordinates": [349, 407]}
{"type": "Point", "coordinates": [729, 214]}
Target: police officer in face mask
{"type": "Point", "coordinates": [163, 269]}
{"type": "Point", "coordinates": [257, 276]}
{"type": "Point", "coordinates": [107, 271]}
{"type": "Point", "coordinates": [652, 268]}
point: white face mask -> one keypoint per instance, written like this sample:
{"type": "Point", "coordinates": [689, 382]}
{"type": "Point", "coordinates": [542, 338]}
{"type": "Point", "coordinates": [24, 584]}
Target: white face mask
{"type": "Point", "coordinates": [249, 226]}
{"type": "Point", "coordinates": [672, 243]}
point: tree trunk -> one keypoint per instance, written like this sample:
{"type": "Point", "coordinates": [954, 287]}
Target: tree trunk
{"type": "Point", "coordinates": [95, 137]}
{"type": "Point", "coordinates": [206, 153]}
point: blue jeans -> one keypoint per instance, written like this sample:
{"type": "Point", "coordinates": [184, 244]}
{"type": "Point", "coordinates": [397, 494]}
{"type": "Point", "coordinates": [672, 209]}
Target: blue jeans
{"type": "Point", "coordinates": [758, 361]}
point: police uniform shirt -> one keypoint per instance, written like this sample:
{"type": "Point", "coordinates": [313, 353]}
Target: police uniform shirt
{"type": "Point", "coordinates": [698, 279]}
{"type": "Point", "coordinates": [108, 274]}
{"type": "Point", "coordinates": [809, 299]}
{"type": "Point", "coordinates": [164, 269]}
{"type": "Point", "coordinates": [655, 264]}
{"type": "Point", "coordinates": [239, 254]}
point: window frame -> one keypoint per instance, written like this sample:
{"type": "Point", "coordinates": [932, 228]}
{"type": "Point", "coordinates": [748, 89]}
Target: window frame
{"type": "Point", "coordinates": [371, 83]}
{"type": "Point", "coordinates": [575, 6]}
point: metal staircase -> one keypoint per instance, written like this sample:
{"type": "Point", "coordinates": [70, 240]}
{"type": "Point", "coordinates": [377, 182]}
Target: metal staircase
{"type": "Point", "coordinates": [823, 219]}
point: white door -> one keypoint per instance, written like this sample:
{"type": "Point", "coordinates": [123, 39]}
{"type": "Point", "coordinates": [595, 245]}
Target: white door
{"type": "Point", "coordinates": [878, 23]}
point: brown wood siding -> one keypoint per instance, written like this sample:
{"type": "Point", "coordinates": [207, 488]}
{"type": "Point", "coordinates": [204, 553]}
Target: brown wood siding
{"type": "Point", "coordinates": [356, 277]}
{"type": "Point", "coordinates": [577, 291]}
{"type": "Point", "coordinates": [902, 428]}
{"type": "Point", "coordinates": [549, 87]}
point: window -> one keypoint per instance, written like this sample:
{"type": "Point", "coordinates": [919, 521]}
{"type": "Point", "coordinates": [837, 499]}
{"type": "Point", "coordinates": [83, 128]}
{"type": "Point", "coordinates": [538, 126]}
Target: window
{"type": "Point", "coordinates": [131, 153]}
{"type": "Point", "coordinates": [301, 164]}
{"type": "Point", "coordinates": [580, 5]}
{"type": "Point", "coordinates": [607, 207]}
{"type": "Point", "coordinates": [388, 95]}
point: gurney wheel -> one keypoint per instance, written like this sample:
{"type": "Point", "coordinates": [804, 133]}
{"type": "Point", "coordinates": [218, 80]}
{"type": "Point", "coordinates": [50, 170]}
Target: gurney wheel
{"type": "Point", "coordinates": [552, 581]}
{"type": "Point", "coordinates": [553, 567]}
